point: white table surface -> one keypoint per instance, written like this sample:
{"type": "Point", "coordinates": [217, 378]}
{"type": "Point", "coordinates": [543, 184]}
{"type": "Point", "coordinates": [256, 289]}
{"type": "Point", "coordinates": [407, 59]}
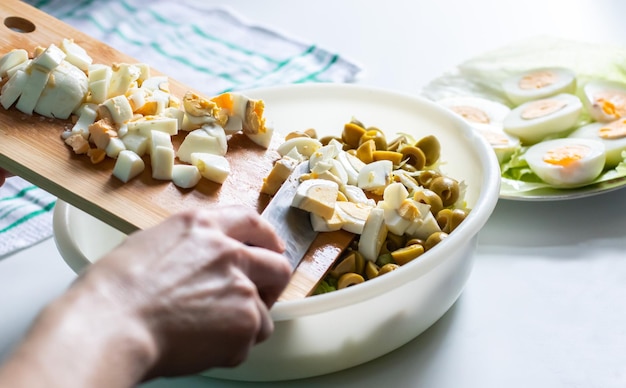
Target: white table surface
{"type": "Point", "coordinates": [545, 305]}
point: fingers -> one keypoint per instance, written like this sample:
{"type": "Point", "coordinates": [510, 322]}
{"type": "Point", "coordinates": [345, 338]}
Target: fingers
{"type": "Point", "coordinates": [250, 228]}
{"type": "Point", "coordinates": [269, 271]}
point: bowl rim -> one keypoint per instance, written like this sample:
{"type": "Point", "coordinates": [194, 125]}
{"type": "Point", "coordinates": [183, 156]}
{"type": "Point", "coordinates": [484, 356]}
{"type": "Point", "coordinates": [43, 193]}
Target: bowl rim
{"type": "Point", "coordinates": [285, 310]}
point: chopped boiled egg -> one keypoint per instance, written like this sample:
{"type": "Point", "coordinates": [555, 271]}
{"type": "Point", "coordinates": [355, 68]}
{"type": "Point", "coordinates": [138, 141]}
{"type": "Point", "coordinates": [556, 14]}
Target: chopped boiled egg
{"type": "Point", "coordinates": [76, 55]}
{"type": "Point", "coordinates": [116, 108]}
{"type": "Point", "coordinates": [373, 235]}
{"type": "Point", "coordinates": [605, 100]}
{"type": "Point", "coordinates": [185, 176]}
{"type": "Point", "coordinates": [199, 140]}
{"type": "Point", "coordinates": [538, 84]}
{"type": "Point", "coordinates": [535, 120]}
{"type": "Point", "coordinates": [568, 162]}
{"type": "Point", "coordinates": [213, 167]}
{"type": "Point", "coordinates": [316, 196]}
{"type": "Point", "coordinates": [146, 124]}
{"type": "Point", "coordinates": [162, 162]}
{"type": "Point", "coordinates": [306, 146]}
{"type": "Point", "coordinates": [64, 92]}
{"type": "Point", "coordinates": [127, 166]}
{"type": "Point", "coordinates": [375, 176]}
{"type": "Point", "coordinates": [12, 59]}
{"type": "Point", "coordinates": [278, 174]}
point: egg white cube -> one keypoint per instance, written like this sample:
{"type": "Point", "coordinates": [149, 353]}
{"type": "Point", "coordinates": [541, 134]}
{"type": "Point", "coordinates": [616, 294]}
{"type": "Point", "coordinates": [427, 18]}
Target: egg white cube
{"type": "Point", "coordinates": [49, 59]}
{"type": "Point", "coordinates": [128, 165]}
{"type": "Point", "coordinates": [198, 141]}
{"type": "Point", "coordinates": [316, 196]}
{"type": "Point", "coordinates": [162, 162]}
{"type": "Point", "coordinates": [122, 77]}
{"type": "Point", "coordinates": [218, 133]}
{"type": "Point", "coordinates": [64, 93]}
{"type": "Point", "coordinates": [22, 66]}
{"type": "Point", "coordinates": [373, 235]}
{"type": "Point", "coordinates": [118, 108]}
{"type": "Point", "coordinates": [87, 114]}
{"type": "Point", "coordinates": [263, 139]}
{"type": "Point", "coordinates": [75, 54]}
{"type": "Point", "coordinates": [11, 59]}
{"type": "Point", "coordinates": [352, 174]}
{"type": "Point", "coordinates": [153, 83]}
{"type": "Point", "coordinates": [375, 175]}
{"type": "Point", "coordinates": [136, 143]}
{"type": "Point", "coordinates": [115, 146]}
{"type": "Point", "coordinates": [394, 194]}
{"type": "Point", "coordinates": [145, 125]}
{"type": "Point", "coordinates": [13, 88]}
{"type": "Point", "coordinates": [213, 167]}
{"type": "Point", "coordinates": [37, 77]}
{"type": "Point", "coordinates": [323, 155]}
{"type": "Point", "coordinates": [174, 113]}
{"type": "Point", "coordinates": [185, 176]}
{"type": "Point", "coordinates": [305, 145]}
{"type": "Point", "coordinates": [423, 227]}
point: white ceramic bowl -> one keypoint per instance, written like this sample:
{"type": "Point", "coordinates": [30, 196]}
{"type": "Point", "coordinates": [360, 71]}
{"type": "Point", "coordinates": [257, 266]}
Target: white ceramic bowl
{"type": "Point", "coordinates": [335, 331]}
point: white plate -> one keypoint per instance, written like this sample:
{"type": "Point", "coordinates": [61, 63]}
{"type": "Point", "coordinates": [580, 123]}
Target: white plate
{"type": "Point", "coordinates": [338, 330]}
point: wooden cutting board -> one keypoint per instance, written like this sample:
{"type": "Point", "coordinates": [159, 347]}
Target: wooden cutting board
{"type": "Point", "coordinates": [31, 147]}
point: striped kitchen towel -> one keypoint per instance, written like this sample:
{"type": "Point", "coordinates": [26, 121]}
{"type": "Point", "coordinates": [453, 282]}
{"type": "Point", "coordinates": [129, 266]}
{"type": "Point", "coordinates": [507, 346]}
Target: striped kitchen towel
{"type": "Point", "coordinates": [212, 49]}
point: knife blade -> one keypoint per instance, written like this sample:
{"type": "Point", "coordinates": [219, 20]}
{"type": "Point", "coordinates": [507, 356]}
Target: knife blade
{"type": "Point", "coordinates": [293, 225]}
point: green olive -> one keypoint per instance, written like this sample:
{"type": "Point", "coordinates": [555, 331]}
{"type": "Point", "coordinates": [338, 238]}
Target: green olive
{"type": "Point", "coordinates": [388, 268]}
{"type": "Point", "coordinates": [405, 254]}
{"type": "Point", "coordinates": [326, 139]}
{"type": "Point", "coordinates": [371, 270]}
{"type": "Point", "coordinates": [357, 122]}
{"type": "Point", "coordinates": [349, 279]}
{"type": "Point", "coordinates": [446, 188]}
{"type": "Point", "coordinates": [294, 134]}
{"type": "Point", "coordinates": [377, 135]}
{"type": "Point", "coordinates": [383, 259]}
{"type": "Point", "coordinates": [431, 198]}
{"type": "Point", "coordinates": [365, 152]}
{"type": "Point", "coordinates": [434, 239]}
{"type": "Point", "coordinates": [431, 148]}
{"type": "Point", "coordinates": [394, 157]}
{"type": "Point", "coordinates": [351, 134]}
{"type": "Point", "coordinates": [415, 241]}
{"type": "Point", "coordinates": [348, 264]}
{"type": "Point", "coordinates": [393, 242]}
{"type": "Point", "coordinates": [415, 156]}
{"type": "Point", "coordinates": [449, 219]}
{"type": "Point", "coordinates": [426, 177]}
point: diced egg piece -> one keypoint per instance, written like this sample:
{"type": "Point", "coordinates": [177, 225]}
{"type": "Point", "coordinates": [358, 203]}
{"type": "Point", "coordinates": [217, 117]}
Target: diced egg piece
{"type": "Point", "coordinates": [75, 54]}
{"type": "Point", "coordinates": [11, 59]}
{"type": "Point", "coordinates": [136, 143]}
{"type": "Point", "coordinates": [185, 176]}
{"type": "Point", "coordinates": [533, 121]}
{"type": "Point", "coordinates": [612, 135]}
{"type": "Point", "coordinates": [99, 77]}
{"type": "Point", "coordinates": [12, 89]}
{"type": "Point", "coordinates": [375, 175]}
{"type": "Point", "coordinates": [278, 174]}
{"type": "Point", "coordinates": [146, 124]}
{"type": "Point", "coordinates": [373, 235]}
{"type": "Point", "coordinates": [127, 166]}
{"type": "Point", "coordinates": [87, 114]}
{"type": "Point", "coordinates": [117, 108]}
{"type": "Point", "coordinates": [162, 162]}
{"type": "Point", "coordinates": [394, 194]}
{"type": "Point", "coordinates": [50, 58]}
{"type": "Point", "coordinates": [352, 174]}
{"type": "Point", "coordinates": [213, 167]}
{"type": "Point", "coordinates": [115, 146]}
{"type": "Point", "coordinates": [567, 162]}
{"type": "Point", "coordinates": [233, 110]}
{"type": "Point", "coordinates": [316, 196]}
{"type": "Point", "coordinates": [424, 227]}
{"type": "Point", "coordinates": [538, 84]}
{"type": "Point", "coordinates": [306, 146]}
{"type": "Point", "coordinates": [36, 80]}
{"type": "Point", "coordinates": [262, 139]}
{"type": "Point", "coordinates": [353, 215]}
{"type": "Point", "coordinates": [605, 100]}
{"type": "Point", "coordinates": [122, 77]}
{"type": "Point", "coordinates": [65, 90]}
{"type": "Point", "coordinates": [199, 140]}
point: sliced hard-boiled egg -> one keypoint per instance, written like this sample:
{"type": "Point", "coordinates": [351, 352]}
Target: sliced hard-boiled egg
{"type": "Point", "coordinates": [612, 135]}
{"type": "Point", "coordinates": [116, 108]}
{"type": "Point", "coordinates": [262, 139]}
{"type": "Point", "coordinates": [477, 110]}
{"type": "Point", "coordinates": [127, 166]}
{"type": "Point", "coordinates": [533, 121]}
{"type": "Point", "coordinates": [539, 83]}
{"type": "Point", "coordinates": [375, 176]}
{"type": "Point", "coordinates": [75, 54]}
{"type": "Point", "coordinates": [316, 196]}
{"type": "Point", "coordinates": [64, 92]}
{"type": "Point", "coordinates": [11, 59]}
{"type": "Point", "coordinates": [567, 162]}
{"type": "Point", "coordinates": [605, 100]}
{"type": "Point", "coordinates": [278, 175]}
{"type": "Point", "coordinates": [306, 146]}
{"type": "Point", "coordinates": [502, 143]}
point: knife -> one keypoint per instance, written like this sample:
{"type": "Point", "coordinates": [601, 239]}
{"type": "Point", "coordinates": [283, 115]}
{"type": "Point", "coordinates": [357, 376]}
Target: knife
{"type": "Point", "coordinates": [293, 225]}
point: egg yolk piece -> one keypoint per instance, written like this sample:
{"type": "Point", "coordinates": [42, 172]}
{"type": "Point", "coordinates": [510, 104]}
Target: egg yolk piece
{"type": "Point", "coordinates": [471, 114]}
{"type": "Point", "coordinates": [566, 155]}
{"type": "Point", "coordinates": [538, 80]}
{"type": "Point", "coordinates": [612, 103]}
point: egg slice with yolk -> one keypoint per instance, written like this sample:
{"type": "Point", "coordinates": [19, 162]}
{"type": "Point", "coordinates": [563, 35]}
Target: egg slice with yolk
{"type": "Point", "coordinates": [539, 83]}
{"type": "Point", "coordinates": [567, 163]}
{"type": "Point", "coordinates": [605, 100]}
{"type": "Point", "coordinates": [612, 135]}
{"type": "Point", "coordinates": [486, 117]}
{"type": "Point", "coordinates": [535, 120]}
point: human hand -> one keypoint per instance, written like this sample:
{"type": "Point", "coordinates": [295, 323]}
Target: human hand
{"type": "Point", "coordinates": [189, 294]}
